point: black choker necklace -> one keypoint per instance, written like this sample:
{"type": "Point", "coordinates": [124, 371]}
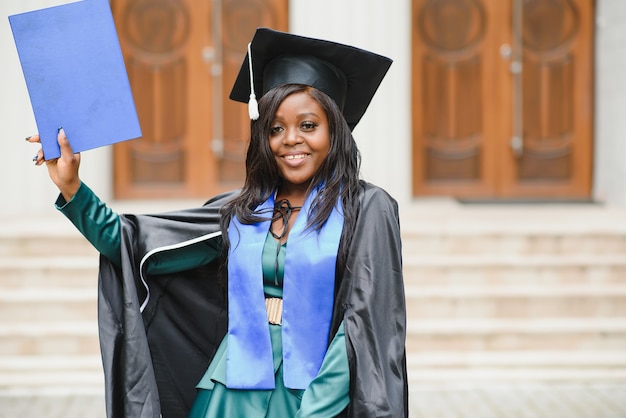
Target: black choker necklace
{"type": "Point", "coordinates": [283, 210]}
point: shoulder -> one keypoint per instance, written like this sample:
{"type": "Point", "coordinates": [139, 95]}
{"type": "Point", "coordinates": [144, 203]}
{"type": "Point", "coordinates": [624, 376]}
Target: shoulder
{"type": "Point", "coordinates": [375, 197]}
{"type": "Point", "coordinates": [222, 199]}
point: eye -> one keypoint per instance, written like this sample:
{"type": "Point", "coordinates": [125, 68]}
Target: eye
{"type": "Point", "coordinates": [308, 125]}
{"type": "Point", "coordinates": [276, 129]}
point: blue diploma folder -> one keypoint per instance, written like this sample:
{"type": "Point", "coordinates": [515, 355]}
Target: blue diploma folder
{"type": "Point", "coordinates": [75, 75]}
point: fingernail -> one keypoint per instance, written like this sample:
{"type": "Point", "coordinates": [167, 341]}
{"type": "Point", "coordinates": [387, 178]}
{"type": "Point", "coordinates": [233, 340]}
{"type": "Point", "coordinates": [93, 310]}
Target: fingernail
{"type": "Point", "coordinates": [36, 157]}
{"type": "Point", "coordinates": [59, 130]}
{"type": "Point", "coordinates": [28, 137]}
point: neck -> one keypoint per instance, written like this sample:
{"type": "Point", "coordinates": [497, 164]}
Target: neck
{"type": "Point", "coordinates": [295, 194]}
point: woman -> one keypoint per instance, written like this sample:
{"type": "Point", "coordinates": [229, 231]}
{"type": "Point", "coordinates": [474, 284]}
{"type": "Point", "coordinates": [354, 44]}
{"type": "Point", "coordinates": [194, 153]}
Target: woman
{"type": "Point", "coordinates": [283, 299]}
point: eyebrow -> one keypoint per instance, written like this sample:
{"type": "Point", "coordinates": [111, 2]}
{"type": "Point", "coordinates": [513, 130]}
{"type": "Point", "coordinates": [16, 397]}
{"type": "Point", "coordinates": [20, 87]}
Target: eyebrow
{"type": "Point", "coordinates": [300, 115]}
{"type": "Point", "coordinates": [308, 114]}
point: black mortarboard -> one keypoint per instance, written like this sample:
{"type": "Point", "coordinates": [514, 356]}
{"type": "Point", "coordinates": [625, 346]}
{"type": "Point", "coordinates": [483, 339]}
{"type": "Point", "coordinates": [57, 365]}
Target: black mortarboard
{"type": "Point", "coordinates": [349, 75]}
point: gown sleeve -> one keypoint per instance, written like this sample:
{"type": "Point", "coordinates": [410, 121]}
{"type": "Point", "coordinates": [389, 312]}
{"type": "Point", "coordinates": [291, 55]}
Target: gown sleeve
{"type": "Point", "coordinates": [95, 221]}
{"type": "Point", "coordinates": [371, 305]}
{"type": "Point", "coordinates": [328, 393]}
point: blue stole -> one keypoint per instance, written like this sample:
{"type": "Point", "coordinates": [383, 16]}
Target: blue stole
{"type": "Point", "coordinates": [308, 299]}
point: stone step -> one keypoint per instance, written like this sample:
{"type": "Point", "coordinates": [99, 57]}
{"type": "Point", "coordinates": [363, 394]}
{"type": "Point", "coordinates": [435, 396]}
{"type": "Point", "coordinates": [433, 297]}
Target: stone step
{"type": "Point", "coordinates": [503, 297]}
{"type": "Point", "coordinates": [418, 376]}
{"type": "Point", "coordinates": [509, 399]}
{"type": "Point", "coordinates": [41, 236]}
{"type": "Point", "coordinates": [550, 365]}
{"type": "Point", "coordinates": [415, 240]}
{"type": "Point", "coordinates": [39, 372]}
{"type": "Point", "coordinates": [472, 291]}
{"type": "Point", "coordinates": [64, 303]}
{"type": "Point", "coordinates": [53, 304]}
{"type": "Point", "coordinates": [465, 230]}
{"type": "Point", "coordinates": [514, 269]}
{"type": "Point", "coordinates": [38, 246]}
{"type": "Point", "coordinates": [512, 218]}
{"type": "Point", "coordinates": [55, 338]}
{"type": "Point", "coordinates": [63, 378]}
{"type": "Point", "coordinates": [62, 271]}
{"type": "Point", "coordinates": [466, 242]}
{"type": "Point", "coordinates": [437, 270]}
{"type": "Point", "coordinates": [423, 335]}
{"type": "Point", "coordinates": [437, 227]}
{"type": "Point", "coordinates": [84, 371]}
{"type": "Point", "coordinates": [519, 359]}
{"type": "Point", "coordinates": [515, 301]}
{"type": "Point", "coordinates": [502, 334]}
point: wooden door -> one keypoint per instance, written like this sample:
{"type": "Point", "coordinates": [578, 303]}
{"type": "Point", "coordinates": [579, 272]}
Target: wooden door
{"type": "Point", "coordinates": [182, 57]}
{"type": "Point", "coordinates": [502, 98]}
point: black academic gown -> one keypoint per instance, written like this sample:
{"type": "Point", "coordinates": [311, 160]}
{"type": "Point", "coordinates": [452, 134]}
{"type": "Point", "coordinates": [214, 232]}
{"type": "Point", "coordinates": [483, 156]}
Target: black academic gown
{"type": "Point", "coordinates": [153, 359]}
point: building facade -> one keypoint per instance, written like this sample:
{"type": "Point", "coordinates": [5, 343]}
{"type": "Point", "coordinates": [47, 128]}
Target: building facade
{"type": "Point", "coordinates": [470, 80]}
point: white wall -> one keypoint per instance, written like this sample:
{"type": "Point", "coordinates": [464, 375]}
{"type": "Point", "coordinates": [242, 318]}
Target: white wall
{"type": "Point", "coordinates": [610, 116]}
{"type": "Point", "coordinates": [384, 133]}
{"type": "Point", "coordinates": [25, 189]}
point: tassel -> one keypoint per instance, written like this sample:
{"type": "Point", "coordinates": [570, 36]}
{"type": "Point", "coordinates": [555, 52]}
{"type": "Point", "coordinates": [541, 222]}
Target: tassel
{"type": "Point", "coordinates": [253, 107]}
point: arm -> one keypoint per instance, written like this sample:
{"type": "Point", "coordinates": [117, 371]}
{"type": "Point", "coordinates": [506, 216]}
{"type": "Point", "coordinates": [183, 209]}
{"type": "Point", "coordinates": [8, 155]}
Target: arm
{"type": "Point", "coordinates": [99, 224]}
{"type": "Point", "coordinates": [96, 221]}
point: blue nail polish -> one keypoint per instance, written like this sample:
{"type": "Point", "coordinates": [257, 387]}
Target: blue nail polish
{"type": "Point", "coordinates": [36, 157]}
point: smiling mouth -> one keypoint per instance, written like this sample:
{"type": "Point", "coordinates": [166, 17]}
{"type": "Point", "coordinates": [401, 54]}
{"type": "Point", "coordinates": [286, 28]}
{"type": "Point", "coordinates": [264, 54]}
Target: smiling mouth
{"type": "Point", "coordinates": [295, 157]}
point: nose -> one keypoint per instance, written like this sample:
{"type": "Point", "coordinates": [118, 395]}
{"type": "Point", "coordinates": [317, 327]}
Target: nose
{"type": "Point", "coordinates": [292, 136]}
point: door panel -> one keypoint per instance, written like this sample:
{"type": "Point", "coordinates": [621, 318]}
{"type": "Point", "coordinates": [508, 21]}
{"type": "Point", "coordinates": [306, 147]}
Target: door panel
{"type": "Point", "coordinates": [502, 98]}
{"type": "Point", "coordinates": [453, 97]}
{"type": "Point", "coordinates": [182, 57]}
{"type": "Point", "coordinates": [557, 102]}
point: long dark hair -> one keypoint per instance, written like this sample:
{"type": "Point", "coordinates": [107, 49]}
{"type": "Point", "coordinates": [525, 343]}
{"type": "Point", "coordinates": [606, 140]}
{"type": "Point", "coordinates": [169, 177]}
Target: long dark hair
{"type": "Point", "coordinates": [339, 173]}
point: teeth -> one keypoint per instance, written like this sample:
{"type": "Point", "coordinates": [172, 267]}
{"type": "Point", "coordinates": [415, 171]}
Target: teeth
{"type": "Point", "coordinates": [293, 157]}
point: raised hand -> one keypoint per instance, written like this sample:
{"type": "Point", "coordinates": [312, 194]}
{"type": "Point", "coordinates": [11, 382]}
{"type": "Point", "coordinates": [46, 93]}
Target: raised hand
{"type": "Point", "coordinates": [63, 170]}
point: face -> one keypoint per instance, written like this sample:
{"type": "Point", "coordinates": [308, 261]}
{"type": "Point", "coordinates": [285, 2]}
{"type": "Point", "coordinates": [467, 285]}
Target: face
{"type": "Point", "coordinates": [299, 139]}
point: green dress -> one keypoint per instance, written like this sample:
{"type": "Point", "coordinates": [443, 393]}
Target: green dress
{"type": "Point", "coordinates": [280, 402]}
{"type": "Point", "coordinates": [326, 396]}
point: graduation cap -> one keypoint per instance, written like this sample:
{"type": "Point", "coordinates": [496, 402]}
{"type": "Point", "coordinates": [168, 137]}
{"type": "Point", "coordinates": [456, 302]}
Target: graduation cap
{"type": "Point", "coordinates": [349, 75]}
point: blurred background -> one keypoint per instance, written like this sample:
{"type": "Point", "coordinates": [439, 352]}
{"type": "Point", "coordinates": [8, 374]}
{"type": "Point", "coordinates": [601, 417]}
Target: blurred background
{"type": "Point", "coordinates": [499, 129]}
